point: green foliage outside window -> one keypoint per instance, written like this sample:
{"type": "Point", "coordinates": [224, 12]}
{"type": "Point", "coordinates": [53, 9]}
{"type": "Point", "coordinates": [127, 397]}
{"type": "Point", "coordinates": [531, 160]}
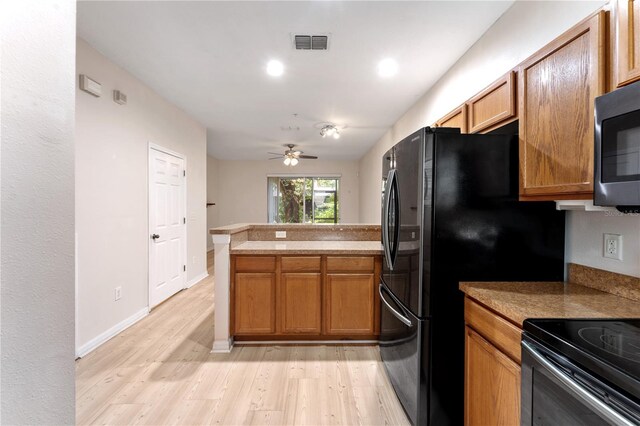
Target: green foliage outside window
{"type": "Point", "coordinates": [303, 200]}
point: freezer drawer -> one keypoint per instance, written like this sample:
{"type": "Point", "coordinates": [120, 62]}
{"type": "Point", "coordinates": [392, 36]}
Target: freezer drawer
{"type": "Point", "coordinates": [403, 347]}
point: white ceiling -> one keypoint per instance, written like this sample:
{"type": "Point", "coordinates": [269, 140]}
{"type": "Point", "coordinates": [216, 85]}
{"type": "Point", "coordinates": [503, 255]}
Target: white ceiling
{"type": "Point", "coordinates": [209, 59]}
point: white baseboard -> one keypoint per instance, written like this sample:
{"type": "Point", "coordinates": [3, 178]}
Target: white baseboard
{"type": "Point", "coordinates": [197, 279]}
{"type": "Point", "coordinates": [116, 329]}
{"type": "Point", "coordinates": [222, 346]}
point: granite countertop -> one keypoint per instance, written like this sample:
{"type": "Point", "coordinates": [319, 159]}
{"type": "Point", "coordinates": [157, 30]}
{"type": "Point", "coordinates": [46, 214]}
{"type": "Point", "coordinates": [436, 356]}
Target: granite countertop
{"type": "Point", "coordinates": [308, 247]}
{"type": "Point", "coordinates": [518, 301]}
{"type": "Point", "coordinates": [239, 227]}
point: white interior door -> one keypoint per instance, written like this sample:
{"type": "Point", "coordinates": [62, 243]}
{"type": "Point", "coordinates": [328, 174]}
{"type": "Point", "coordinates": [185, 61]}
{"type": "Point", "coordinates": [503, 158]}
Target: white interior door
{"type": "Point", "coordinates": [167, 225]}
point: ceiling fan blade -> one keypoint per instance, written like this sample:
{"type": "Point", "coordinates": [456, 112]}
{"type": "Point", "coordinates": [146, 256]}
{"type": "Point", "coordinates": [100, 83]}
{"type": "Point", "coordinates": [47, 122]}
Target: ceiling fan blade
{"type": "Point", "coordinates": [308, 157]}
{"type": "Point", "coordinates": [276, 158]}
{"type": "Point", "coordinates": [275, 153]}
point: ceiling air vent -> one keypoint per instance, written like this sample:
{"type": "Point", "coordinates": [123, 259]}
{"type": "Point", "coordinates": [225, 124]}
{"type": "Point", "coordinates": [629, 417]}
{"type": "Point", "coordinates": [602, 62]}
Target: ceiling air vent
{"type": "Point", "coordinates": [311, 42]}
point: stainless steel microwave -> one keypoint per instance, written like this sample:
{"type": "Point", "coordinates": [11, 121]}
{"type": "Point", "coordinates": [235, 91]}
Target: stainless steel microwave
{"type": "Point", "coordinates": [617, 143]}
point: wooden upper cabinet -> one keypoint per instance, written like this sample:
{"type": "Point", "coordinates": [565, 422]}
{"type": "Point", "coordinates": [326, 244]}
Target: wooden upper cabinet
{"type": "Point", "coordinates": [255, 297]}
{"type": "Point", "coordinates": [557, 87]}
{"type": "Point", "coordinates": [627, 41]}
{"type": "Point", "coordinates": [456, 118]}
{"type": "Point", "coordinates": [494, 105]}
{"type": "Point", "coordinates": [492, 384]}
{"type": "Point", "coordinates": [301, 303]}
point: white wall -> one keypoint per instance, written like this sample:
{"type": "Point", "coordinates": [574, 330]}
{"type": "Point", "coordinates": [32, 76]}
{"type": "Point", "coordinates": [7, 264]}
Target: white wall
{"type": "Point", "coordinates": [242, 187]}
{"type": "Point", "coordinates": [112, 192]}
{"type": "Point", "coordinates": [212, 197]}
{"type": "Point", "coordinates": [37, 380]}
{"type": "Point", "coordinates": [585, 240]}
{"type": "Point", "coordinates": [522, 30]}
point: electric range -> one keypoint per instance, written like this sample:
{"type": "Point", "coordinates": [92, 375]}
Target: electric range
{"type": "Point", "coordinates": [581, 371]}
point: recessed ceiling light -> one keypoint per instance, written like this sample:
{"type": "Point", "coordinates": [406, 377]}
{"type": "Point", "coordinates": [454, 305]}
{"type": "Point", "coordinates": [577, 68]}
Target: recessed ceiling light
{"type": "Point", "coordinates": [275, 68]}
{"type": "Point", "coordinates": [387, 68]}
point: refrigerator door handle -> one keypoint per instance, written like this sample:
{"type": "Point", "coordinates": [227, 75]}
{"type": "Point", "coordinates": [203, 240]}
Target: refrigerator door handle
{"type": "Point", "coordinates": [406, 321]}
{"type": "Point", "coordinates": [385, 219]}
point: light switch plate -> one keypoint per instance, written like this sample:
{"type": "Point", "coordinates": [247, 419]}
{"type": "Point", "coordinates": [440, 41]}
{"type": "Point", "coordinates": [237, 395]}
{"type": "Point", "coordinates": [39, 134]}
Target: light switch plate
{"type": "Point", "coordinates": [612, 248]}
{"type": "Point", "coordinates": [281, 234]}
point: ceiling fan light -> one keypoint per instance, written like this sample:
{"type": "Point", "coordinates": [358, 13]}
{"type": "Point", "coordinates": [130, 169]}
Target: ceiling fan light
{"type": "Point", "coordinates": [294, 161]}
{"type": "Point", "coordinates": [287, 161]}
{"type": "Point", "coordinates": [336, 135]}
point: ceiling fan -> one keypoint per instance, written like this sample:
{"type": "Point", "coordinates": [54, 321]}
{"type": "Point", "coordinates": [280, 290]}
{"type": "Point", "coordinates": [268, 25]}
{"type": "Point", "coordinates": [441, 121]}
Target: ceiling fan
{"type": "Point", "coordinates": [291, 156]}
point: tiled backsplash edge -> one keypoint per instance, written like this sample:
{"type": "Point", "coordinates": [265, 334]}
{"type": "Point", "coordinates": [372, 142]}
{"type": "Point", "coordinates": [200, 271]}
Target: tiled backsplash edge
{"type": "Point", "coordinates": [610, 282]}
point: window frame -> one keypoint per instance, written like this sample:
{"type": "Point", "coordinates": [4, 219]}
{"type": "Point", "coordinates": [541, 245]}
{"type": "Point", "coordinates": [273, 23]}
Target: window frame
{"type": "Point", "coordinates": [313, 176]}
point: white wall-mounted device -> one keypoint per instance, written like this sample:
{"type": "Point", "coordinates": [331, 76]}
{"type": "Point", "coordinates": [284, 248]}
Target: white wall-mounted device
{"type": "Point", "coordinates": [90, 86]}
{"type": "Point", "coordinates": [119, 97]}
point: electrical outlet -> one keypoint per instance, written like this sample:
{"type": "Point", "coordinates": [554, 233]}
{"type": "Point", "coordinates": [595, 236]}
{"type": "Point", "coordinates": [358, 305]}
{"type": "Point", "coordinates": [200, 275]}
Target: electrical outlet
{"type": "Point", "coordinates": [612, 246]}
{"type": "Point", "coordinates": [118, 293]}
{"type": "Point", "coordinates": [281, 234]}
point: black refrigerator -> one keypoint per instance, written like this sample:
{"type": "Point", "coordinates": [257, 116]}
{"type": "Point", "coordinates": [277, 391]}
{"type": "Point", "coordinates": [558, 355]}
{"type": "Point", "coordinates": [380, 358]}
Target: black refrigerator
{"type": "Point", "coordinates": [450, 213]}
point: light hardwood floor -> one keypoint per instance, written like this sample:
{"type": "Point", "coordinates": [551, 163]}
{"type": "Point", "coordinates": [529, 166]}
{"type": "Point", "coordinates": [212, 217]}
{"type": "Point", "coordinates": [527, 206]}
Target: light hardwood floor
{"type": "Point", "coordinates": [160, 371]}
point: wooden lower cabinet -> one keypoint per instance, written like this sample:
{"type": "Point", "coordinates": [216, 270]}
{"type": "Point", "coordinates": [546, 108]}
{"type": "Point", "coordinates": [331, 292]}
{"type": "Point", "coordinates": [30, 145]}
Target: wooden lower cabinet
{"type": "Point", "coordinates": [492, 368]}
{"type": "Point", "coordinates": [255, 296]}
{"type": "Point", "coordinates": [349, 304]}
{"type": "Point", "coordinates": [305, 297]}
{"type": "Point", "coordinates": [492, 384]}
{"type": "Point", "coordinates": [301, 302]}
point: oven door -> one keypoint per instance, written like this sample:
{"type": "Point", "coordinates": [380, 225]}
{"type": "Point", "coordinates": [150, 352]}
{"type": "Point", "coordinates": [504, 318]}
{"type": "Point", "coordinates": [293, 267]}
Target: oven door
{"type": "Point", "coordinates": [557, 392]}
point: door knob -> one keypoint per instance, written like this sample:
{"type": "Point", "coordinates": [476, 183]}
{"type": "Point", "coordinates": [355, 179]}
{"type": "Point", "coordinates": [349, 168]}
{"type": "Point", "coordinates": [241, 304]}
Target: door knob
{"type": "Point", "coordinates": [155, 236]}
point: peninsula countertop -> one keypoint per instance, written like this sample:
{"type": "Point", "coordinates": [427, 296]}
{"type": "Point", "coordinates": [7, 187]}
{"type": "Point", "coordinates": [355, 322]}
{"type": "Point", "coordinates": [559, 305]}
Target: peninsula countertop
{"type": "Point", "coordinates": [308, 247]}
{"type": "Point", "coordinates": [518, 301]}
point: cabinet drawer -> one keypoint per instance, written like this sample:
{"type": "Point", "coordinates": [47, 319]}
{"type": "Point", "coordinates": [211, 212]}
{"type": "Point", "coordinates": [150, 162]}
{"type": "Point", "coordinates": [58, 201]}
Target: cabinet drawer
{"type": "Point", "coordinates": [494, 328]}
{"type": "Point", "coordinates": [302, 263]}
{"type": "Point", "coordinates": [255, 263]}
{"type": "Point", "coordinates": [347, 264]}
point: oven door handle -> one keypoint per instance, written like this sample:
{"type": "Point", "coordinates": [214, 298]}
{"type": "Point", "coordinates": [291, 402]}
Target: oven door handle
{"type": "Point", "coordinates": [585, 396]}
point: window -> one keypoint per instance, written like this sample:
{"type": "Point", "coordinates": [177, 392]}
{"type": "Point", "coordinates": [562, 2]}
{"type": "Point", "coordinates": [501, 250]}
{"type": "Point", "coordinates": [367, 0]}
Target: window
{"type": "Point", "coordinates": [303, 199]}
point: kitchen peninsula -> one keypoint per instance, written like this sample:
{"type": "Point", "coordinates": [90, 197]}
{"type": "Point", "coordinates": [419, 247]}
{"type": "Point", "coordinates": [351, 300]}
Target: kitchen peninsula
{"type": "Point", "coordinates": [279, 282]}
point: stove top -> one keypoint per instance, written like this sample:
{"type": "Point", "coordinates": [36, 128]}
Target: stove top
{"type": "Point", "coordinates": [608, 348]}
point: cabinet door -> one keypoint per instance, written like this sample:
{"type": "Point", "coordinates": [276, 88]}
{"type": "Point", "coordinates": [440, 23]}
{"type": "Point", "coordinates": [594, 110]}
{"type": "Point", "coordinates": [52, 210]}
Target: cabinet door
{"type": "Point", "coordinates": [627, 41]}
{"type": "Point", "coordinates": [494, 105]}
{"type": "Point", "coordinates": [456, 118]}
{"type": "Point", "coordinates": [349, 304]}
{"type": "Point", "coordinates": [557, 87]}
{"type": "Point", "coordinates": [301, 305]}
{"type": "Point", "coordinates": [254, 304]}
{"type": "Point", "coordinates": [492, 384]}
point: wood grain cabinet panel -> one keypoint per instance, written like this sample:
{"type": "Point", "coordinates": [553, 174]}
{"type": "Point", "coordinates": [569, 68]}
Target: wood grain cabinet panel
{"type": "Point", "coordinates": [627, 41]}
{"type": "Point", "coordinates": [557, 87]}
{"type": "Point", "coordinates": [255, 263]}
{"type": "Point", "coordinates": [349, 304]}
{"type": "Point", "coordinates": [494, 105]}
{"type": "Point", "coordinates": [350, 263]}
{"type": "Point", "coordinates": [301, 303]}
{"type": "Point", "coordinates": [456, 118]}
{"type": "Point", "coordinates": [496, 329]}
{"type": "Point", "coordinates": [300, 264]}
{"type": "Point", "coordinates": [492, 384]}
{"type": "Point", "coordinates": [255, 297]}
